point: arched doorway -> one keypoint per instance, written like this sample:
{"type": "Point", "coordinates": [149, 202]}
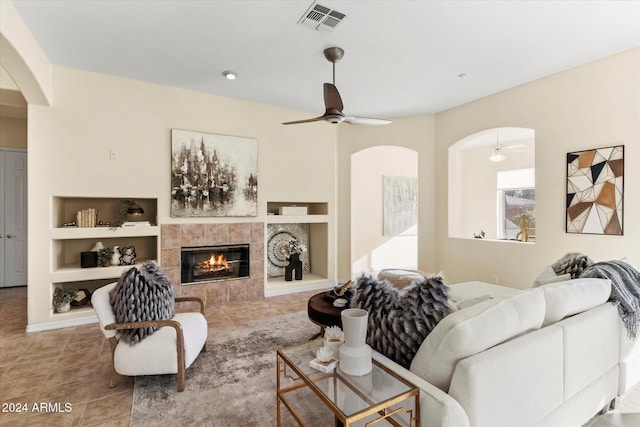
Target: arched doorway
{"type": "Point", "coordinates": [384, 209]}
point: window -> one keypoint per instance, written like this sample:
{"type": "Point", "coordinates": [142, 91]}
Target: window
{"type": "Point", "coordinates": [516, 199]}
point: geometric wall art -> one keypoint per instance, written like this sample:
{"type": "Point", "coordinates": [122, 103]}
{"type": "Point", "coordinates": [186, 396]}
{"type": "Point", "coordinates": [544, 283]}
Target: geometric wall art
{"type": "Point", "coordinates": [595, 191]}
{"type": "Point", "coordinates": [213, 175]}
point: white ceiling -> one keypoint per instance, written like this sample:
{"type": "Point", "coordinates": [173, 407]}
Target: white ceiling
{"type": "Point", "coordinates": [401, 57]}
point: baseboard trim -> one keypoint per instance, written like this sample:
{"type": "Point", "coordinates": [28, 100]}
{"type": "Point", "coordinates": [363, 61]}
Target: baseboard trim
{"type": "Point", "coordinates": [67, 323]}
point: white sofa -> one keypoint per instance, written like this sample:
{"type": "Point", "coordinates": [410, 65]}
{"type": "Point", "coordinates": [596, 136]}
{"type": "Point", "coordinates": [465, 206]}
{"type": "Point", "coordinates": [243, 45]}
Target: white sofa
{"type": "Point", "coordinates": [550, 356]}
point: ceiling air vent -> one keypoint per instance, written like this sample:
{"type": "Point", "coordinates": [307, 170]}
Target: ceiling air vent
{"type": "Point", "coordinates": [321, 18]}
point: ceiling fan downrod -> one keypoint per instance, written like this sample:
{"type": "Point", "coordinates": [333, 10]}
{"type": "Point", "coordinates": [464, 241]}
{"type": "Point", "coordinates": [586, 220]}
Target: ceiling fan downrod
{"type": "Point", "coordinates": [334, 54]}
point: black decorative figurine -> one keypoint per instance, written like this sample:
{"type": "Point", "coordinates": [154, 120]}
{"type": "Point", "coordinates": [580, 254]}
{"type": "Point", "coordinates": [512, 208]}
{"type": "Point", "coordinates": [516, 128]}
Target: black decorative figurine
{"type": "Point", "coordinates": [295, 265]}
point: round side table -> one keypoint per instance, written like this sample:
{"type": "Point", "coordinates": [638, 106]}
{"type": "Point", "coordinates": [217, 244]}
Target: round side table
{"type": "Point", "coordinates": [323, 313]}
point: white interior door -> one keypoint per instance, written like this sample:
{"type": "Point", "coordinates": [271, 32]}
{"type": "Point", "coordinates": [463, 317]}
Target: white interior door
{"type": "Point", "coordinates": [13, 218]}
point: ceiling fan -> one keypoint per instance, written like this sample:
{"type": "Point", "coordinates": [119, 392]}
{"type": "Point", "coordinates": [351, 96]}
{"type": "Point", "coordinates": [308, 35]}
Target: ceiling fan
{"type": "Point", "coordinates": [497, 155]}
{"type": "Point", "coordinates": [333, 102]}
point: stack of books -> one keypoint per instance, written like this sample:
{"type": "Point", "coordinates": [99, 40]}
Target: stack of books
{"type": "Point", "coordinates": [86, 218]}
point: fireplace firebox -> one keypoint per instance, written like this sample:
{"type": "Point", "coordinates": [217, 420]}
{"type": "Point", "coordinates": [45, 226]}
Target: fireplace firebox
{"type": "Point", "coordinates": [209, 263]}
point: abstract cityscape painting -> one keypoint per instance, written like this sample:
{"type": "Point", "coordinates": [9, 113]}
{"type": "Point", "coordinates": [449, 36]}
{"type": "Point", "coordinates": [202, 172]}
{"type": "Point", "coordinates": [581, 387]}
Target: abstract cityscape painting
{"type": "Point", "coordinates": [213, 175]}
{"type": "Point", "coordinates": [595, 190]}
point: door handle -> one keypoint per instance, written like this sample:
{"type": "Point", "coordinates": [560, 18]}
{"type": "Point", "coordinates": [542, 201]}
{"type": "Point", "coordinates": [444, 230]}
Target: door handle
{"type": "Point", "coordinates": [10, 236]}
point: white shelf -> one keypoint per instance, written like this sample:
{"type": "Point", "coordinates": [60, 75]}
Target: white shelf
{"type": "Point", "coordinates": [279, 286]}
{"type": "Point", "coordinates": [67, 233]}
{"type": "Point", "coordinates": [74, 273]}
{"type": "Point", "coordinates": [76, 312]}
{"type": "Point", "coordinates": [297, 219]}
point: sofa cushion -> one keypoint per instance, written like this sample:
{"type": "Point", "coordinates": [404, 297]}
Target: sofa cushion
{"type": "Point", "coordinates": [512, 384]}
{"type": "Point", "coordinates": [472, 301]}
{"type": "Point", "coordinates": [549, 276]}
{"type": "Point", "coordinates": [160, 348]}
{"type": "Point", "coordinates": [140, 295]}
{"type": "Point", "coordinates": [573, 296]}
{"type": "Point", "coordinates": [591, 346]}
{"type": "Point", "coordinates": [475, 329]}
{"type": "Point", "coordinates": [465, 290]}
{"type": "Point", "coordinates": [399, 320]}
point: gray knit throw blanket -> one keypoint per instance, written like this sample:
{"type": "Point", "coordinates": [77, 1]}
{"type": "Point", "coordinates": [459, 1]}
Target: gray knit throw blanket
{"type": "Point", "coordinates": [572, 263]}
{"type": "Point", "coordinates": [625, 290]}
{"type": "Point", "coordinates": [399, 320]}
{"type": "Point", "coordinates": [140, 295]}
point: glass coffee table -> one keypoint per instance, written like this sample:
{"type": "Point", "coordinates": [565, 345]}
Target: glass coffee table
{"type": "Point", "coordinates": [378, 396]}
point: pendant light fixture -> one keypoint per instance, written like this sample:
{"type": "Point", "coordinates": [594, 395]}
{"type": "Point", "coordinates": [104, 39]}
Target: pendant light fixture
{"type": "Point", "coordinates": [497, 155]}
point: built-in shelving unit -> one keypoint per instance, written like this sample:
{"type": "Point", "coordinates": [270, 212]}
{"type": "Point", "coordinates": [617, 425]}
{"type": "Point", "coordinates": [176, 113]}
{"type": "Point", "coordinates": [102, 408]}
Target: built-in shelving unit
{"type": "Point", "coordinates": [318, 219]}
{"type": "Point", "coordinates": [313, 208]}
{"type": "Point", "coordinates": [67, 242]}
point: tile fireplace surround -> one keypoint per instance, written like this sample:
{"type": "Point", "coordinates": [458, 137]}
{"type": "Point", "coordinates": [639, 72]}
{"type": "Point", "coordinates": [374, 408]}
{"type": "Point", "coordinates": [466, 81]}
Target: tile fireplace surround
{"type": "Point", "coordinates": [175, 236]}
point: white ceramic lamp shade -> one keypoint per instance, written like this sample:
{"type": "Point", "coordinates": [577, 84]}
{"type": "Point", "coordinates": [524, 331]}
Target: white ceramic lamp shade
{"type": "Point", "coordinates": [355, 354]}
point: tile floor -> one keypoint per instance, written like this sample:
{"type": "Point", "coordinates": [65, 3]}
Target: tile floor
{"type": "Point", "coordinates": [72, 365]}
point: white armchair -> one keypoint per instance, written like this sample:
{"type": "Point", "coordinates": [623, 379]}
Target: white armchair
{"type": "Point", "coordinates": [169, 350]}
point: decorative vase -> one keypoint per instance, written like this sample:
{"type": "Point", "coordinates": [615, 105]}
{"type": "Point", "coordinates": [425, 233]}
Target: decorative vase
{"type": "Point", "coordinates": [355, 353]}
{"type": "Point", "coordinates": [97, 247]}
{"type": "Point", "coordinates": [295, 265]}
{"type": "Point", "coordinates": [115, 258]}
{"type": "Point", "coordinates": [63, 308]}
{"type": "Point", "coordinates": [523, 228]}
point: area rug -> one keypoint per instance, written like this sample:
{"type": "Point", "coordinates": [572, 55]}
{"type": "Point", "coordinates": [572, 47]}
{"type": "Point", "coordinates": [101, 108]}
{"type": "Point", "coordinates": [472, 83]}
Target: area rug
{"type": "Point", "coordinates": [233, 383]}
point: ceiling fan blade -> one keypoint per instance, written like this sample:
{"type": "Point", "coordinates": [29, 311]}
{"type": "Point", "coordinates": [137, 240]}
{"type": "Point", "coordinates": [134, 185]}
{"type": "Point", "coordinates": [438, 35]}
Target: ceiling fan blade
{"type": "Point", "coordinates": [315, 119]}
{"type": "Point", "coordinates": [365, 121]}
{"type": "Point", "coordinates": [514, 146]}
{"type": "Point", "coordinates": [332, 100]}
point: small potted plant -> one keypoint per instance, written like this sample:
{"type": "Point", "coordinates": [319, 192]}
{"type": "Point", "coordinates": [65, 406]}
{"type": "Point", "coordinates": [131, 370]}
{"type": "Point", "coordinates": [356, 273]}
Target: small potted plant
{"type": "Point", "coordinates": [104, 255]}
{"type": "Point", "coordinates": [62, 298]}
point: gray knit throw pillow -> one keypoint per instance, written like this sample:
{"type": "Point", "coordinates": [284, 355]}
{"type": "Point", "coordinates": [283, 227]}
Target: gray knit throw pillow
{"type": "Point", "coordinates": [573, 263]}
{"type": "Point", "coordinates": [140, 295]}
{"type": "Point", "coordinates": [399, 320]}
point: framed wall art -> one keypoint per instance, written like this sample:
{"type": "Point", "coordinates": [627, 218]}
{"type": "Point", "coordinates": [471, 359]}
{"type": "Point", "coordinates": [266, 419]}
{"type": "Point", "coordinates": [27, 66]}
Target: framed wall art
{"type": "Point", "coordinates": [595, 191]}
{"type": "Point", "coordinates": [213, 175]}
{"type": "Point", "coordinates": [400, 205]}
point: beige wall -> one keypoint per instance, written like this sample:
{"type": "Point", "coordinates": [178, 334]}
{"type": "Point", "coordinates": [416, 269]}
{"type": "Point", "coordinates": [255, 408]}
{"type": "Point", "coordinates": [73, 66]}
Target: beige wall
{"type": "Point", "coordinates": [595, 105]}
{"type": "Point", "coordinates": [13, 133]}
{"type": "Point", "coordinates": [69, 145]}
{"type": "Point", "coordinates": [416, 133]}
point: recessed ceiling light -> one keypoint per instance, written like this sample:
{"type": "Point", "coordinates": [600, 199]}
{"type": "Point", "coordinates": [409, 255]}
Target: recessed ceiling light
{"type": "Point", "coordinates": [230, 75]}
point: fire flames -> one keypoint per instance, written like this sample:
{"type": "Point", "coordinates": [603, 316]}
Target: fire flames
{"type": "Point", "coordinates": [214, 263]}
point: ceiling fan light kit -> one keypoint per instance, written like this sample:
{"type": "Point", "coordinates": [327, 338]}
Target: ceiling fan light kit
{"type": "Point", "coordinates": [497, 155]}
{"type": "Point", "coordinates": [333, 102]}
